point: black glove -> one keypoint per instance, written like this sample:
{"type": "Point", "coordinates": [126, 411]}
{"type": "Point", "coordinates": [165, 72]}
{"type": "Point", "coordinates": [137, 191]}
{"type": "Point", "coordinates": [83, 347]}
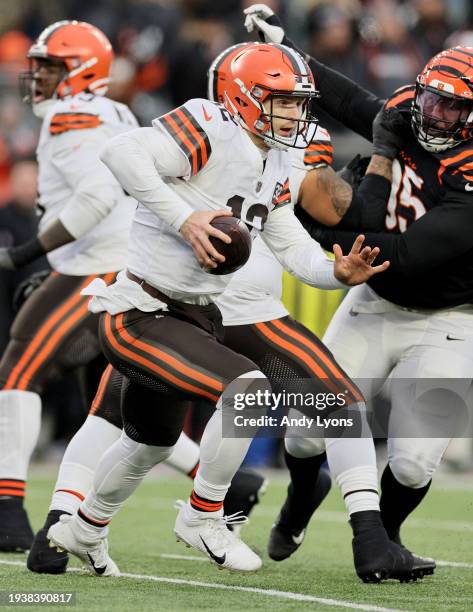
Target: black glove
{"type": "Point", "coordinates": [26, 288]}
{"type": "Point", "coordinates": [354, 171]}
{"type": "Point", "coordinates": [390, 130]}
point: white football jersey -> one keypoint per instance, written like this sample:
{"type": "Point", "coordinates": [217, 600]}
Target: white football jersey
{"type": "Point", "coordinates": [76, 187]}
{"type": "Point", "coordinates": [254, 293]}
{"type": "Point", "coordinates": [216, 166]}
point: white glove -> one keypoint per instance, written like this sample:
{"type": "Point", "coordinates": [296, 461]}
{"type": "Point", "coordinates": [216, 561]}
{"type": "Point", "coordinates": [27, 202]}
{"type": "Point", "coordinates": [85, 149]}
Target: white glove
{"type": "Point", "coordinates": [261, 18]}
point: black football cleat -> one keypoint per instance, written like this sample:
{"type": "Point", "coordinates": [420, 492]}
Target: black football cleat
{"type": "Point", "coordinates": [377, 558]}
{"type": "Point", "coordinates": [42, 558]}
{"type": "Point", "coordinates": [16, 534]}
{"type": "Point", "coordinates": [429, 562]}
{"type": "Point", "coordinates": [288, 533]}
{"type": "Point", "coordinates": [244, 493]}
{"type": "Point", "coordinates": [283, 541]}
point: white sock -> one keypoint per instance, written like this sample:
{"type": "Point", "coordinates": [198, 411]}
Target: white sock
{"type": "Point", "coordinates": [20, 421]}
{"type": "Point", "coordinates": [185, 455]}
{"type": "Point", "coordinates": [77, 469]}
{"type": "Point", "coordinates": [352, 463]}
{"type": "Point", "coordinates": [221, 457]}
{"type": "Point", "coordinates": [359, 488]}
{"type": "Point", "coordinates": [119, 472]}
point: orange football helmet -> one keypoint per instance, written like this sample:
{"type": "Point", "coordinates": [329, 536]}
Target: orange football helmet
{"type": "Point", "coordinates": [442, 109]}
{"type": "Point", "coordinates": [85, 52]}
{"type": "Point", "coordinates": [245, 76]}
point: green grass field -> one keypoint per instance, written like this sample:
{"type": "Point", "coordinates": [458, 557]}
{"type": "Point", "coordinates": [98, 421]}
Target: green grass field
{"type": "Point", "coordinates": [142, 543]}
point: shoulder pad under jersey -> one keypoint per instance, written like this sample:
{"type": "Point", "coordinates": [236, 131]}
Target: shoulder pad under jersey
{"type": "Point", "coordinates": [197, 126]}
{"type": "Point", "coordinates": [85, 111]}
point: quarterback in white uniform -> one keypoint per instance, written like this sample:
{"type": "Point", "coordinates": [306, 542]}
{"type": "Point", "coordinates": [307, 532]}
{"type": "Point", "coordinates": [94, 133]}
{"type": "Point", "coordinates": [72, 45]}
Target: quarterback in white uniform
{"type": "Point", "coordinates": [183, 171]}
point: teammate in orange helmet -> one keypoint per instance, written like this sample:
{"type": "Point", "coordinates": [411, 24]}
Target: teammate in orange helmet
{"type": "Point", "coordinates": [85, 219]}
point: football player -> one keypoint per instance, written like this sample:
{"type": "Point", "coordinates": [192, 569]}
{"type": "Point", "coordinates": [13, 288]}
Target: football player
{"type": "Point", "coordinates": [84, 209]}
{"type": "Point", "coordinates": [421, 308]}
{"type": "Point", "coordinates": [83, 228]}
{"type": "Point", "coordinates": [89, 443]}
{"type": "Point", "coordinates": [160, 326]}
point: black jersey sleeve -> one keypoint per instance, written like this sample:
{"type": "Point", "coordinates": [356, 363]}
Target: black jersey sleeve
{"type": "Point", "coordinates": [437, 237]}
{"type": "Point", "coordinates": [343, 99]}
{"type": "Point", "coordinates": [368, 206]}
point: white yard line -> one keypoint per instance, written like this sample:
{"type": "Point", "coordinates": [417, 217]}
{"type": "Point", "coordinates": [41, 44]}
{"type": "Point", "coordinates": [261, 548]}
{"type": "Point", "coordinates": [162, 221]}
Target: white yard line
{"type": "Point", "coordinates": [227, 587]}
{"type": "Point", "coordinates": [442, 563]}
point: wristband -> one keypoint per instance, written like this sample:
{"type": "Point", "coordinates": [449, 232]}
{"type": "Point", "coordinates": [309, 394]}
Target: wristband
{"type": "Point", "coordinates": [26, 253]}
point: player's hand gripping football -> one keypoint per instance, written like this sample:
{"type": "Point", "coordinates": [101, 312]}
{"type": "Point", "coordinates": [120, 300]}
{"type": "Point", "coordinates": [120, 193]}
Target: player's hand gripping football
{"type": "Point", "coordinates": [196, 230]}
{"type": "Point", "coordinates": [357, 267]}
{"type": "Point", "coordinates": [262, 19]}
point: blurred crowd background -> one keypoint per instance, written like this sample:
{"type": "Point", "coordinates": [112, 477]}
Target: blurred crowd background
{"type": "Point", "coordinates": [162, 51]}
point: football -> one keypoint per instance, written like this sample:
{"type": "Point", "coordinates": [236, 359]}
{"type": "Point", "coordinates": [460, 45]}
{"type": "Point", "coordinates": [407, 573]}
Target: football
{"type": "Point", "coordinates": [238, 251]}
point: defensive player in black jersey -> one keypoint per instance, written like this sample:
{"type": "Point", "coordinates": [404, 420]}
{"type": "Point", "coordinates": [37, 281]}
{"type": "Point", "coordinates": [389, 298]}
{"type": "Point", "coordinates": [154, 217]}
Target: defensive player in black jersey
{"type": "Point", "coordinates": [415, 323]}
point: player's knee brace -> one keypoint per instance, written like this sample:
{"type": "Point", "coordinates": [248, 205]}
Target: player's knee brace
{"type": "Point", "coordinates": [412, 471]}
{"type": "Point", "coordinates": [302, 448]}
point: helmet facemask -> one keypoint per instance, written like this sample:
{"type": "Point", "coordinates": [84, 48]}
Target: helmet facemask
{"type": "Point", "coordinates": [280, 130]}
{"type": "Point", "coordinates": [39, 84]}
{"type": "Point", "coordinates": [254, 80]}
{"type": "Point", "coordinates": [441, 120]}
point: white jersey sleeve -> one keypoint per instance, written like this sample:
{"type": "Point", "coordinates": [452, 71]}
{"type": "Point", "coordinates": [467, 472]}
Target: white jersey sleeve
{"type": "Point", "coordinates": [140, 159]}
{"type": "Point", "coordinates": [76, 188]}
{"type": "Point", "coordinates": [95, 192]}
{"type": "Point", "coordinates": [297, 252]}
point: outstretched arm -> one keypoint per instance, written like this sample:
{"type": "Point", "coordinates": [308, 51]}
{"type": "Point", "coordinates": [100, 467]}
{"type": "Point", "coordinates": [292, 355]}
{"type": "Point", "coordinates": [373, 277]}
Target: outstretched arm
{"type": "Point", "coordinates": [437, 237]}
{"type": "Point", "coordinates": [342, 98]}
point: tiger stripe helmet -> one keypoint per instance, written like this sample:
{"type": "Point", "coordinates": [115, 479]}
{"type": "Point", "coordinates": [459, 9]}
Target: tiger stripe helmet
{"type": "Point", "coordinates": [442, 109]}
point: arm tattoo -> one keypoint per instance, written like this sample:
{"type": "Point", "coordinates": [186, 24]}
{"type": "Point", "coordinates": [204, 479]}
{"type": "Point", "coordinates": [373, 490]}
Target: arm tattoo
{"type": "Point", "coordinates": [340, 192]}
{"type": "Point", "coordinates": [381, 166]}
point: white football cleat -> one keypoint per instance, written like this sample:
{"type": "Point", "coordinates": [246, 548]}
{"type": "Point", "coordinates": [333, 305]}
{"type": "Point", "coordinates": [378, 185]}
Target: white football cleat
{"type": "Point", "coordinates": [63, 535]}
{"type": "Point", "coordinates": [210, 535]}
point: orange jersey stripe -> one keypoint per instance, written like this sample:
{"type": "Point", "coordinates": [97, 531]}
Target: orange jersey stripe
{"type": "Point", "coordinates": [172, 361]}
{"type": "Point", "coordinates": [12, 492]}
{"type": "Point", "coordinates": [182, 135]}
{"type": "Point", "coordinates": [52, 343]}
{"type": "Point", "coordinates": [399, 99]}
{"type": "Point", "coordinates": [152, 366]}
{"type": "Point", "coordinates": [63, 122]}
{"type": "Point", "coordinates": [316, 147]}
{"type": "Point", "coordinates": [43, 331]}
{"type": "Point", "coordinates": [313, 159]}
{"type": "Point", "coordinates": [101, 390]}
{"type": "Point", "coordinates": [185, 120]}
{"type": "Point", "coordinates": [320, 354]}
{"type": "Point", "coordinates": [76, 493]}
{"type": "Point", "coordinates": [456, 158]}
